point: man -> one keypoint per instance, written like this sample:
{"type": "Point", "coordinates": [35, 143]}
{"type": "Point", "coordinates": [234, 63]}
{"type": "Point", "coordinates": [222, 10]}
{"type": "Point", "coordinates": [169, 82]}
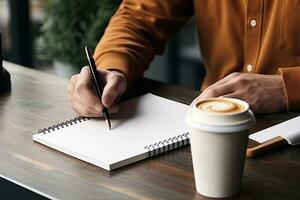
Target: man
{"type": "Point", "coordinates": [251, 50]}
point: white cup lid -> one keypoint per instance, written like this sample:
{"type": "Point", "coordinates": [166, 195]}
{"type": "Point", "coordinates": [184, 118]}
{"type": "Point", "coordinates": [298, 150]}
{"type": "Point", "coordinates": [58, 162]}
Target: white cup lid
{"type": "Point", "coordinates": [220, 115]}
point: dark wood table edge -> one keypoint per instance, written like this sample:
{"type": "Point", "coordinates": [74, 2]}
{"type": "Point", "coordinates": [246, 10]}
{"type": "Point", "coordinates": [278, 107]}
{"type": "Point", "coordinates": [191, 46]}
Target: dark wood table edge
{"type": "Point", "coordinates": [13, 189]}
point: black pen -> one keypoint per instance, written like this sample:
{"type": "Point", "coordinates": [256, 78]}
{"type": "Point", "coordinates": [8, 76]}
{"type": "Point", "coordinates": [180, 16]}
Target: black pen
{"type": "Point", "coordinates": [1, 61]}
{"type": "Point", "coordinates": [99, 85]}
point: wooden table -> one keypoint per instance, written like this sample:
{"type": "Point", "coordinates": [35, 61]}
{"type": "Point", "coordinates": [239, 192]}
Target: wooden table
{"type": "Point", "coordinates": [38, 100]}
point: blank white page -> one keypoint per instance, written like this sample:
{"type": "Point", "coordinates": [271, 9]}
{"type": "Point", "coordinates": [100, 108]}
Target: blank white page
{"type": "Point", "coordinates": [289, 130]}
{"type": "Point", "coordinates": [141, 121]}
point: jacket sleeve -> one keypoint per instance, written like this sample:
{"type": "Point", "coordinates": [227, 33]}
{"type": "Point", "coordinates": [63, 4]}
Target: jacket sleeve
{"type": "Point", "coordinates": [291, 79]}
{"type": "Point", "coordinates": [137, 31]}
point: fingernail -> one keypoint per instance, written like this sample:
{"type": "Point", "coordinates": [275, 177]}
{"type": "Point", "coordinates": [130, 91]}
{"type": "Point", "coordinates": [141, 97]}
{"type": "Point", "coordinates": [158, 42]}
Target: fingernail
{"type": "Point", "coordinates": [98, 108]}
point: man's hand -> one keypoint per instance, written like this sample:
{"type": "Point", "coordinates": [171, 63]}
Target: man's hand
{"type": "Point", "coordinates": [264, 93]}
{"type": "Point", "coordinates": [82, 95]}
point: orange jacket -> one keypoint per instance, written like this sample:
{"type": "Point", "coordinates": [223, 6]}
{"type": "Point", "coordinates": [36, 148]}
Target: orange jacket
{"type": "Point", "coordinates": [253, 36]}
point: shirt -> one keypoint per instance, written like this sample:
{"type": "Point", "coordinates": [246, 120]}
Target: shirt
{"type": "Point", "coordinates": [250, 36]}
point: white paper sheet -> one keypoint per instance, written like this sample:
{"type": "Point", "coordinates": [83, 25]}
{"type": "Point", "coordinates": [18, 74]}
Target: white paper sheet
{"type": "Point", "coordinates": [289, 130]}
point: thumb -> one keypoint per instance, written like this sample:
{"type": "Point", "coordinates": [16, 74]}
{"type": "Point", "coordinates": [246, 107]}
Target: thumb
{"type": "Point", "coordinates": [110, 92]}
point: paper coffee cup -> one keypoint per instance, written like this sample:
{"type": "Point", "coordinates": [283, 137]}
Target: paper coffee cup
{"type": "Point", "coordinates": [219, 136]}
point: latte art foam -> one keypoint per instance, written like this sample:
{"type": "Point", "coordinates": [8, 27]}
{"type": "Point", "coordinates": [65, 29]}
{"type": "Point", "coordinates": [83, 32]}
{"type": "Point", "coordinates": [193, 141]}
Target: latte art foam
{"type": "Point", "coordinates": [220, 106]}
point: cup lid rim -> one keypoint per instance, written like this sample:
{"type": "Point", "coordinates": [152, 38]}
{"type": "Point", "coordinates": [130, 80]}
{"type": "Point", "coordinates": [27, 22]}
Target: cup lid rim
{"type": "Point", "coordinates": [223, 128]}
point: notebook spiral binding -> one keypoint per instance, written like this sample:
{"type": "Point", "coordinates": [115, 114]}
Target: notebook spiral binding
{"type": "Point", "coordinates": [62, 125]}
{"type": "Point", "coordinates": [168, 144]}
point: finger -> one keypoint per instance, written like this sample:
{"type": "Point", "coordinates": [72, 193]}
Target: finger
{"type": "Point", "coordinates": [84, 68]}
{"type": "Point", "coordinates": [85, 96]}
{"type": "Point", "coordinates": [237, 95]}
{"type": "Point", "coordinates": [111, 91]}
{"type": "Point", "coordinates": [87, 104]}
{"type": "Point", "coordinates": [85, 75]}
{"type": "Point", "coordinates": [225, 80]}
{"type": "Point", "coordinates": [208, 89]}
{"type": "Point", "coordinates": [90, 112]}
{"type": "Point", "coordinates": [113, 109]}
{"type": "Point", "coordinates": [82, 111]}
{"type": "Point", "coordinates": [92, 103]}
{"type": "Point", "coordinates": [231, 95]}
{"type": "Point", "coordinates": [218, 91]}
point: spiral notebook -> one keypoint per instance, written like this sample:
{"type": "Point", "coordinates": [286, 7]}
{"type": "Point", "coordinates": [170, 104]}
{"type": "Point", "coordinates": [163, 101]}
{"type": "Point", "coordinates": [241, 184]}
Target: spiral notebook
{"type": "Point", "coordinates": [145, 126]}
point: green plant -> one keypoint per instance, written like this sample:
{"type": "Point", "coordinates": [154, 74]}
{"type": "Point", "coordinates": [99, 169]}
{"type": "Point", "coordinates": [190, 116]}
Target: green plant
{"type": "Point", "coordinates": [69, 25]}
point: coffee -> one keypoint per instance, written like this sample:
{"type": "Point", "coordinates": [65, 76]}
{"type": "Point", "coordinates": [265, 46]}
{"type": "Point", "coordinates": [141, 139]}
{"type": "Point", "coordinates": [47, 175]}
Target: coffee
{"type": "Point", "coordinates": [220, 106]}
{"type": "Point", "coordinates": [219, 135]}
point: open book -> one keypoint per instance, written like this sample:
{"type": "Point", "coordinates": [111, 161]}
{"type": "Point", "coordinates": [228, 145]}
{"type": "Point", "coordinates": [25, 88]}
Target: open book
{"type": "Point", "coordinates": [145, 126]}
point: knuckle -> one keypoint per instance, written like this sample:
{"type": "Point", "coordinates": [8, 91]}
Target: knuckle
{"type": "Point", "coordinates": [240, 80]}
{"type": "Point", "coordinates": [74, 78]}
{"type": "Point", "coordinates": [84, 68]}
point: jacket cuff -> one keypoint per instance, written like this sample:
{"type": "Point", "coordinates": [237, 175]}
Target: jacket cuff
{"type": "Point", "coordinates": [291, 79]}
{"type": "Point", "coordinates": [119, 62]}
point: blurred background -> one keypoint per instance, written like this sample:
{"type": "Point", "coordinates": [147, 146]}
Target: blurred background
{"type": "Point", "coordinates": [45, 35]}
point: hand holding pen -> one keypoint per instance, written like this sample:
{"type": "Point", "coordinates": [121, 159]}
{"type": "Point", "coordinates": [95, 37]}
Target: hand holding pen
{"type": "Point", "coordinates": [98, 83]}
{"type": "Point", "coordinates": [83, 96]}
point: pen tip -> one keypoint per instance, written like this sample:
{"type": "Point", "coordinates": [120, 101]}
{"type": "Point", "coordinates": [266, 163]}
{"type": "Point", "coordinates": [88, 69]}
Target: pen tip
{"type": "Point", "coordinates": [107, 119]}
{"type": "Point", "coordinates": [109, 124]}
